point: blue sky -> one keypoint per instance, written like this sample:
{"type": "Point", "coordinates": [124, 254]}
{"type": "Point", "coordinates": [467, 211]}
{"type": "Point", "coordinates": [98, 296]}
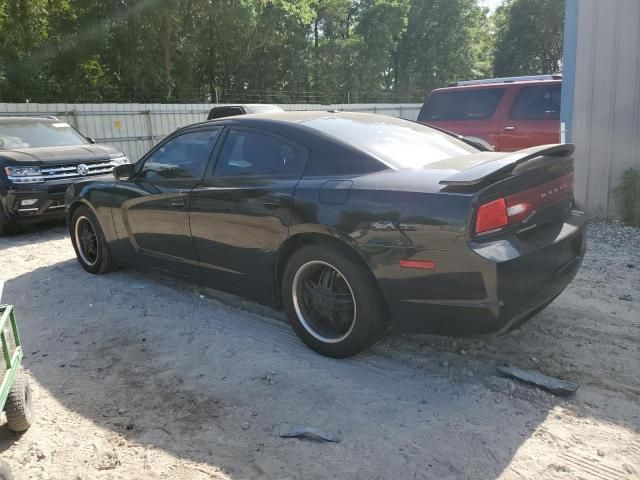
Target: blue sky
{"type": "Point", "coordinates": [492, 4]}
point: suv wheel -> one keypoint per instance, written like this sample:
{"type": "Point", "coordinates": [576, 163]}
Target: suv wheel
{"type": "Point", "coordinates": [7, 227]}
{"type": "Point", "coordinates": [89, 242]}
{"type": "Point", "coordinates": [332, 301]}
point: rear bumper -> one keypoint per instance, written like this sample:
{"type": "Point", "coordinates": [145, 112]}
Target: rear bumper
{"type": "Point", "coordinates": [509, 282]}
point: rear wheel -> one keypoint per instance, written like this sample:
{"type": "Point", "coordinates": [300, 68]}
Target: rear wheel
{"type": "Point", "coordinates": [89, 242]}
{"type": "Point", "coordinates": [332, 301]}
{"type": "Point", "coordinates": [19, 409]}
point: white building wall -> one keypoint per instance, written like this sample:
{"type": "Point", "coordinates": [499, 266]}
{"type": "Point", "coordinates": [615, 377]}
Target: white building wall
{"type": "Point", "coordinates": [606, 109]}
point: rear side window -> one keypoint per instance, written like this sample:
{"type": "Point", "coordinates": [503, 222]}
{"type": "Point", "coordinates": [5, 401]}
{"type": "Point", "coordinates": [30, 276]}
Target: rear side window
{"type": "Point", "coordinates": [539, 102]}
{"type": "Point", "coordinates": [257, 154]}
{"type": "Point", "coordinates": [471, 104]}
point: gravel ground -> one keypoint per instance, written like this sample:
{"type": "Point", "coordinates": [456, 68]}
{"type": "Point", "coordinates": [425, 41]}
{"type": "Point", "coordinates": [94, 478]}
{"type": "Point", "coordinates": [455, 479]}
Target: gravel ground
{"type": "Point", "coordinates": [140, 376]}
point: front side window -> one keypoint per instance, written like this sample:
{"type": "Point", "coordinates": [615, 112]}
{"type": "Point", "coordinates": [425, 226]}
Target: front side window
{"type": "Point", "coordinates": [251, 153]}
{"type": "Point", "coordinates": [539, 102]}
{"type": "Point", "coordinates": [34, 133]}
{"type": "Point", "coordinates": [470, 104]}
{"type": "Point", "coordinates": [185, 156]}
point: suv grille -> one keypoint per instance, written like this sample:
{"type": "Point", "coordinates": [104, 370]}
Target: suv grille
{"type": "Point", "coordinates": [75, 170]}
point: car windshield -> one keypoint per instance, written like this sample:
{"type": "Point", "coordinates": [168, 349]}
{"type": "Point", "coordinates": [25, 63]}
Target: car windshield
{"type": "Point", "coordinates": [400, 144]}
{"type": "Point", "coordinates": [29, 134]}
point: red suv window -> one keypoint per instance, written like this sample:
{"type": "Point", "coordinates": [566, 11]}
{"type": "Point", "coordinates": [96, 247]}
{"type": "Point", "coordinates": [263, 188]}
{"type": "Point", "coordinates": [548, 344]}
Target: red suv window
{"type": "Point", "coordinates": [538, 102]}
{"type": "Point", "coordinates": [470, 104]}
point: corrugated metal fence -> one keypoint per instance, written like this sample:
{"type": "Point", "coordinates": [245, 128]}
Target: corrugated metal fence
{"type": "Point", "coordinates": [135, 127]}
{"type": "Point", "coordinates": [606, 102]}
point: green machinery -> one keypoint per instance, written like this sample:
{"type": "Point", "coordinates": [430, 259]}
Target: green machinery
{"type": "Point", "coordinates": [15, 391]}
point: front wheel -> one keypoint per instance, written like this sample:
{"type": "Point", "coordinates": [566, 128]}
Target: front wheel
{"type": "Point", "coordinates": [332, 301]}
{"type": "Point", "coordinates": [89, 242]}
{"type": "Point", "coordinates": [19, 409]}
{"type": "Point", "coordinates": [7, 227]}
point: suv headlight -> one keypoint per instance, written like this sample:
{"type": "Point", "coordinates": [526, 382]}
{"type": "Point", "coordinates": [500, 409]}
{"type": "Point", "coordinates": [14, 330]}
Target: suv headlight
{"type": "Point", "coordinates": [120, 160]}
{"type": "Point", "coordinates": [24, 174]}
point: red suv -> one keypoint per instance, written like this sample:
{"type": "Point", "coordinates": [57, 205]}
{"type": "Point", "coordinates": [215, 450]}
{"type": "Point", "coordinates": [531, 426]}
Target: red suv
{"type": "Point", "coordinates": [507, 113]}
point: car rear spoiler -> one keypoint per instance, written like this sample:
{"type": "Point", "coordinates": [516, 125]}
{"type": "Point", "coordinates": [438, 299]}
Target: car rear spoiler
{"type": "Point", "coordinates": [506, 164]}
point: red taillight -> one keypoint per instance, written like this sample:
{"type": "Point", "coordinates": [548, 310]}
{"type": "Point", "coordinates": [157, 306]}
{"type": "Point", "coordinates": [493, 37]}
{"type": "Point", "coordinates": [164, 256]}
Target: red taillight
{"type": "Point", "coordinates": [492, 216]}
{"type": "Point", "coordinates": [515, 208]}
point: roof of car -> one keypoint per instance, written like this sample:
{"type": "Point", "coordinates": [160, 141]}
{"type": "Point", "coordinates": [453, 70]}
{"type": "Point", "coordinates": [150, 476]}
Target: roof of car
{"type": "Point", "coordinates": [503, 84]}
{"type": "Point", "coordinates": [306, 116]}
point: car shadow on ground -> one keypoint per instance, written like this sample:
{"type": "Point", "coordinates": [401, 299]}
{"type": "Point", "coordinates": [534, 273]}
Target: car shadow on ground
{"type": "Point", "coordinates": [156, 364]}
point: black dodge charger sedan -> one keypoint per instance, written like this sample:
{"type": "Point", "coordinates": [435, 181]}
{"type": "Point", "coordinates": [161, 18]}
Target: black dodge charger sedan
{"type": "Point", "coordinates": [350, 221]}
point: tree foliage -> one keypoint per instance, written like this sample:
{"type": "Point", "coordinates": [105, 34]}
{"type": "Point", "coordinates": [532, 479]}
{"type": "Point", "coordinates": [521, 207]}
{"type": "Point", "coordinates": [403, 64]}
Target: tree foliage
{"type": "Point", "coordinates": [529, 37]}
{"type": "Point", "coordinates": [244, 50]}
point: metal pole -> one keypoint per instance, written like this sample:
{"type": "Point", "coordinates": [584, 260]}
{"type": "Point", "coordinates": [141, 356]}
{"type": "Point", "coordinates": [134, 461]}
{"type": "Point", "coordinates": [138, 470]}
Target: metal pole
{"type": "Point", "coordinates": [150, 122]}
{"type": "Point", "coordinates": [75, 119]}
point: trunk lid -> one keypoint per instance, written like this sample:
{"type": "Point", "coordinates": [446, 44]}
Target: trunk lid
{"type": "Point", "coordinates": [478, 168]}
{"type": "Point", "coordinates": [518, 191]}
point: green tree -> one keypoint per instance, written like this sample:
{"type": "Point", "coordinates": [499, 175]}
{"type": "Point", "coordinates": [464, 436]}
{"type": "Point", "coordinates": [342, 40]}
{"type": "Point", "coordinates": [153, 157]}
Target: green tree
{"type": "Point", "coordinates": [529, 37]}
{"type": "Point", "coordinates": [441, 45]}
{"type": "Point", "coordinates": [238, 50]}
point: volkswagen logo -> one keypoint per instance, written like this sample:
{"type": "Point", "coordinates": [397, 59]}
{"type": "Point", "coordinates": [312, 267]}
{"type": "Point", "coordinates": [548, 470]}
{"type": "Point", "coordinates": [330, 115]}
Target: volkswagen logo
{"type": "Point", "coordinates": [83, 169]}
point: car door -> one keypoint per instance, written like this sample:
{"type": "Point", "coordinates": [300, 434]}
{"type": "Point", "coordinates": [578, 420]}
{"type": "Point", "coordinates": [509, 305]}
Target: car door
{"type": "Point", "coordinates": [240, 212]}
{"type": "Point", "coordinates": [534, 118]}
{"type": "Point", "coordinates": [154, 205]}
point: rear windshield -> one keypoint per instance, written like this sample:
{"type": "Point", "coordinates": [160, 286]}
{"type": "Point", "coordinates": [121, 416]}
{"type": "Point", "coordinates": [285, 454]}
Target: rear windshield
{"type": "Point", "coordinates": [398, 143]}
{"type": "Point", "coordinates": [471, 104]}
{"type": "Point", "coordinates": [38, 134]}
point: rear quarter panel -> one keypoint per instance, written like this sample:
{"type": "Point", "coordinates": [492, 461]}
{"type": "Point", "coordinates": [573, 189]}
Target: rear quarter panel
{"type": "Point", "coordinates": [380, 220]}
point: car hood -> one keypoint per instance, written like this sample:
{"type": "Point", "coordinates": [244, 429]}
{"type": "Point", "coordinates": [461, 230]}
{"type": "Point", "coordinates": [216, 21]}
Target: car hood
{"type": "Point", "coordinates": [59, 155]}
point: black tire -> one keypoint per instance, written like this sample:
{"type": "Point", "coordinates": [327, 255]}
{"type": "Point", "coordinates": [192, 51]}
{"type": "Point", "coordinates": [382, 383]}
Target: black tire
{"type": "Point", "coordinates": [100, 261]}
{"type": "Point", "coordinates": [7, 227]}
{"type": "Point", "coordinates": [359, 326]}
{"type": "Point", "coordinates": [5, 471]}
{"type": "Point", "coordinates": [19, 408]}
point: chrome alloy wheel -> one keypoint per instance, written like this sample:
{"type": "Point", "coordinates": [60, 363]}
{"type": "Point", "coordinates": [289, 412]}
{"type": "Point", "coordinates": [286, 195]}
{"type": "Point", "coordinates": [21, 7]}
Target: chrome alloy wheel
{"type": "Point", "coordinates": [87, 241]}
{"type": "Point", "coordinates": [324, 301]}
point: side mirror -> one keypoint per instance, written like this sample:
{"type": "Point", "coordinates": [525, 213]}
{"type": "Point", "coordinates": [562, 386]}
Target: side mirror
{"type": "Point", "coordinates": [124, 171]}
{"type": "Point", "coordinates": [91, 139]}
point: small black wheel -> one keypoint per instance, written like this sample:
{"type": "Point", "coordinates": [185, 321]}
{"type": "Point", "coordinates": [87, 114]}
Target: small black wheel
{"type": "Point", "coordinates": [5, 471]}
{"type": "Point", "coordinates": [7, 227]}
{"type": "Point", "coordinates": [89, 242]}
{"type": "Point", "coordinates": [332, 300]}
{"type": "Point", "coordinates": [19, 407]}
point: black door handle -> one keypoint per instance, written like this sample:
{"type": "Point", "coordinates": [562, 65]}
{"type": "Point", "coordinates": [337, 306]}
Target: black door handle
{"type": "Point", "coordinates": [178, 204]}
{"type": "Point", "coordinates": [271, 201]}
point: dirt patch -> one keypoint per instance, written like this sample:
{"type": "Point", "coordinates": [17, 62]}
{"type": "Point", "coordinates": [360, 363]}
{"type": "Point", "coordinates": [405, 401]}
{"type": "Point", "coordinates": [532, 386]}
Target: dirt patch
{"type": "Point", "coordinates": [140, 376]}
